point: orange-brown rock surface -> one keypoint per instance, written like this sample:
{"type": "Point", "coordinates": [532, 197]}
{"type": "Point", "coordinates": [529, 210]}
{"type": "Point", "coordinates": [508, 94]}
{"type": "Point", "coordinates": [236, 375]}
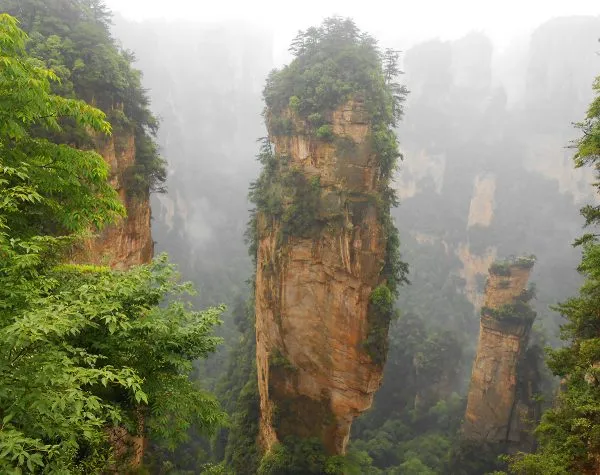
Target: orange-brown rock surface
{"type": "Point", "coordinates": [128, 242]}
{"type": "Point", "coordinates": [312, 293]}
{"type": "Point", "coordinates": [500, 395]}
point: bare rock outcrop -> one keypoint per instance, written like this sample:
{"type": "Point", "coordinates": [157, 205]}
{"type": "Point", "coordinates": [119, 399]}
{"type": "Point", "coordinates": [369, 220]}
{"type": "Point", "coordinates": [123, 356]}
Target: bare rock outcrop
{"type": "Point", "coordinates": [128, 242]}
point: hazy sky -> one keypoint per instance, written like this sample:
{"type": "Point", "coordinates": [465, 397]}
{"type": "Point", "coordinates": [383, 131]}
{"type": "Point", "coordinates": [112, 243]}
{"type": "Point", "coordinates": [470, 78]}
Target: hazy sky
{"type": "Point", "coordinates": [413, 20]}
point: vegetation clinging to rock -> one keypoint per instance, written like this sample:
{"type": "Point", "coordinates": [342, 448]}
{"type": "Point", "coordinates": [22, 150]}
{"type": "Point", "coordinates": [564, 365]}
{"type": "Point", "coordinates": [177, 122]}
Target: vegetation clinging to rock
{"type": "Point", "coordinates": [502, 267]}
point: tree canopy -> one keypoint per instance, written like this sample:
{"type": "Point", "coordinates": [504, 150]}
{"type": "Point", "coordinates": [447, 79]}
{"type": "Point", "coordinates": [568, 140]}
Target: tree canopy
{"type": "Point", "coordinates": [569, 433]}
{"type": "Point", "coordinates": [83, 348]}
{"type": "Point", "coordinates": [73, 40]}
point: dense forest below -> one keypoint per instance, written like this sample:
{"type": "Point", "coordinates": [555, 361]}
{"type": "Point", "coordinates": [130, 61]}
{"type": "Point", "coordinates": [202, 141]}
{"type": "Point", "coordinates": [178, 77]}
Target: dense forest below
{"type": "Point", "coordinates": [364, 261]}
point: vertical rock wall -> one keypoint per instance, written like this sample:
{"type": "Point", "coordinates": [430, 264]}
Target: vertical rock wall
{"type": "Point", "coordinates": [502, 383]}
{"type": "Point", "coordinates": [312, 294]}
{"type": "Point", "coordinates": [128, 242]}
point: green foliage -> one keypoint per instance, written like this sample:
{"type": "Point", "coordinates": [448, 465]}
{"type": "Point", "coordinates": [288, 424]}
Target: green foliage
{"type": "Point", "coordinates": [90, 347]}
{"type": "Point", "coordinates": [385, 145]}
{"type": "Point", "coordinates": [325, 132]}
{"type": "Point", "coordinates": [502, 268]}
{"type": "Point", "coordinates": [239, 391]}
{"type": "Point", "coordinates": [525, 262]}
{"type": "Point", "coordinates": [307, 456]}
{"type": "Point", "coordinates": [379, 315]}
{"type": "Point", "coordinates": [569, 433]}
{"type": "Point", "coordinates": [281, 125]}
{"type": "Point", "coordinates": [73, 40]}
{"type": "Point", "coordinates": [332, 63]}
{"type": "Point", "coordinates": [279, 360]}
{"type": "Point", "coordinates": [242, 452]}
{"type": "Point", "coordinates": [413, 465]}
{"type": "Point", "coordinates": [395, 270]}
{"type": "Point", "coordinates": [381, 298]}
{"type": "Point", "coordinates": [414, 420]}
{"type": "Point", "coordinates": [345, 147]}
{"type": "Point", "coordinates": [588, 148]}
{"type": "Point", "coordinates": [83, 347]}
{"type": "Point", "coordinates": [215, 469]}
{"type": "Point", "coordinates": [47, 191]}
{"type": "Point", "coordinates": [517, 311]}
{"type": "Point", "coordinates": [159, 343]}
{"type": "Point", "coordinates": [294, 103]}
{"type": "Point", "coordinates": [300, 217]}
{"type": "Point", "coordinates": [266, 193]}
{"type": "Point", "coordinates": [284, 194]}
{"type": "Point", "coordinates": [527, 294]}
{"type": "Point", "coordinates": [470, 457]}
{"type": "Point", "coordinates": [315, 119]}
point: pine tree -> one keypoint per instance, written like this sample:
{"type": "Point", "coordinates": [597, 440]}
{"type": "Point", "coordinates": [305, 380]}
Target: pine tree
{"type": "Point", "coordinates": [569, 433]}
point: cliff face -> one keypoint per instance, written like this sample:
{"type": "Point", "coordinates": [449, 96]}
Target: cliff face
{"type": "Point", "coordinates": [312, 293]}
{"type": "Point", "coordinates": [128, 242]}
{"type": "Point", "coordinates": [504, 374]}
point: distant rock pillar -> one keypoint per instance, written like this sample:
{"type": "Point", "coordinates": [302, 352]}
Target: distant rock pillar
{"type": "Point", "coordinates": [500, 395]}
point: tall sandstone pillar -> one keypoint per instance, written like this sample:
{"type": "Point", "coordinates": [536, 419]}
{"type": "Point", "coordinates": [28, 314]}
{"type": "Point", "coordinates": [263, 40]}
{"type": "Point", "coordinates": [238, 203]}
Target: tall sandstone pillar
{"type": "Point", "coordinates": [313, 292]}
{"type": "Point", "coordinates": [499, 405]}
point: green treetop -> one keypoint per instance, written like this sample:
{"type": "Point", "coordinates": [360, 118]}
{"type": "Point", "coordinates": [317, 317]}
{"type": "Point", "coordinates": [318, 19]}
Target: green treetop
{"type": "Point", "coordinates": [332, 63]}
{"type": "Point", "coordinates": [588, 149]}
{"type": "Point", "coordinates": [74, 41]}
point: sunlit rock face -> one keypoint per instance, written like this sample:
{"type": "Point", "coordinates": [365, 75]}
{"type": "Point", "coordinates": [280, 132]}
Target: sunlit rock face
{"type": "Point", "coordinates": [499, 405]}
{"type": "Point", "coordinates": [128, 242]}
{"type": "Point", "coordinates": [312, 294]}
